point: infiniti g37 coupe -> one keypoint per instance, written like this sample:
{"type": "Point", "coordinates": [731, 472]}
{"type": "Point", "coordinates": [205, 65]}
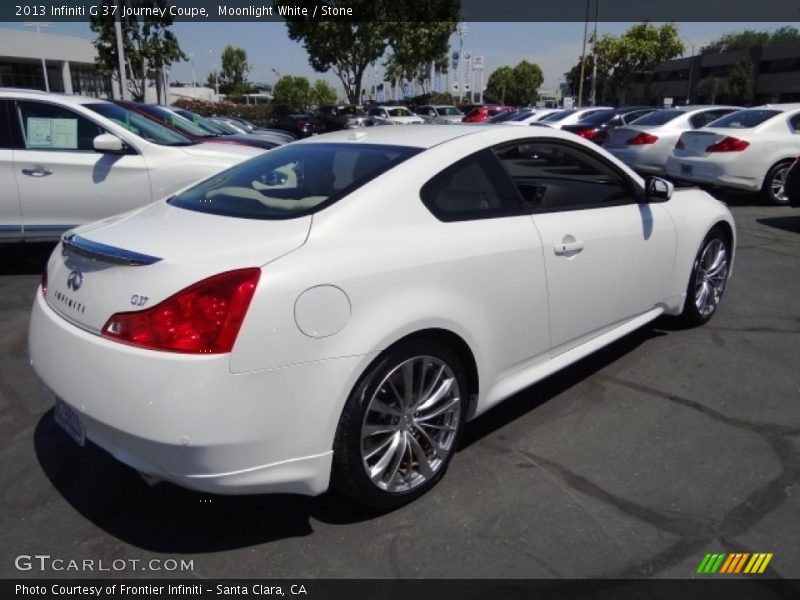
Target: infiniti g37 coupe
{"type": "Point", "coordinates": [332, 312]}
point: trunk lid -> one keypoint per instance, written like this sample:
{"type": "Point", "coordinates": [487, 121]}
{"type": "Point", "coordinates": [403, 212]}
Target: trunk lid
{"type": "Point", "coordinates": [617, 137]}
{"type": "Point", "coordinates": [696, 142]}
{"type": "Point", "coordinates": [134, 261]}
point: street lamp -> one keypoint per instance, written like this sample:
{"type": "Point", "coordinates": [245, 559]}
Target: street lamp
{"type": "Point", "coordinates": [462, 30]}
{"type": "Point", "coordinates": [691, 72]}
{"type": "Point", "coordinates": [41, 47]}
{"type": "Point", "coordinates": [210, 51]}
{"type": "Point", "coordinates": [194, 79]}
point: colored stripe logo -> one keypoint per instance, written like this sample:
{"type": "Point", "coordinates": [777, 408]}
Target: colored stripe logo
{"type": "Point", "coordinates": [734, 563]}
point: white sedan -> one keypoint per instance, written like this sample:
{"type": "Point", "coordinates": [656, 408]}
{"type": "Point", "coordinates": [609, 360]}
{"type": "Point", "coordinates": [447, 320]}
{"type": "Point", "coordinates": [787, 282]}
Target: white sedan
{"type": "Point", "coordinates": [570, 116]}
{"type": "Point", "coordinates": [645, 144]}
{"type": "Point", "coordinates": [334, 311]}
{"type": "Point", "coordinates": [394, 115]}
{"type": "Point", "coordinates": [749, 150]}
{"type": "Point", "coordinates": [68, 160]}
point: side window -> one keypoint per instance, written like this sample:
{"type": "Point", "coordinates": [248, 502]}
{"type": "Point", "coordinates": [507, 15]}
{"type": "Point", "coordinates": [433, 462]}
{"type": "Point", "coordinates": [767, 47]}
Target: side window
{"type": "Point", "coordinates": [6, 141]}
{"type": "Point", "coordinates": [794, 123]}
{"type": "Point", "coordinates": [635, 115]}
{"type": "Point", "coordinates": [553, 176]}
{"type": "Point", "coordinates": [475, 187]}
{"type": "Point", "coordinates": [51, 127]}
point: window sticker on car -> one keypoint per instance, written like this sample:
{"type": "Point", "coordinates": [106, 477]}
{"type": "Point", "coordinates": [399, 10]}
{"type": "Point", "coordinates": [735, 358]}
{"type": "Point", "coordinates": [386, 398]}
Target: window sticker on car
{"type": "Point", "coordinates": [52, 133]}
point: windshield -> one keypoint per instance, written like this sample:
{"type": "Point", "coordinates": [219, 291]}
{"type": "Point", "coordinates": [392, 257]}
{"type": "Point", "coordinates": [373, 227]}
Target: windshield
{"type": "Point", "coordinates": [205, 124]}
{"type": "Point", "coordinates": [659, 117]}
{"type": "Point", "coordinates": [448, 111]}
{"type": "Point", "coordinates": [400, 112]}
{"type": "Point", "coordinates": [744, 119]}
{"type": "Point", "coordinates": [176, 121]}
{"type": "Point", "coordinates": [291, 181]}
{"type": "Point", "coordinates": [521, 116]}
{"type": "Point", "coordinates": [558, 116]}
{"type": "Point", "coordinates": [139, 125]}
{"type": "Point", "coordinates": [352, 110]}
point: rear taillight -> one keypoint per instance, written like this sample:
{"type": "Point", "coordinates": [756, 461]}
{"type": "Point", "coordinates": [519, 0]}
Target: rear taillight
{"type": "Point", "coordinates": [44, 281]}
{"type": "Point", "coordinates": [728, 144]}
{"type": "Point", "coordinates": [588, 133]}
{"type": "Point", "coordinates": [202, 319]}
{"type": "Point", "coordinates": [679, 145]}
{"type": "Point", "coordinates": [642, 139]}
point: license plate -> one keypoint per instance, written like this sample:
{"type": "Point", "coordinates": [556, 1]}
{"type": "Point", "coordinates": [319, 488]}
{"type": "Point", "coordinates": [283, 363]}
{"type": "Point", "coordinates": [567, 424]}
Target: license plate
{"type": "Point", "coordinates": [686, 169]}
{"type": "Point", "coordinates": [70, 421]}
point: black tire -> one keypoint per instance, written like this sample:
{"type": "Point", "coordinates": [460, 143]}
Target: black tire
{"type": "Point", "coordinates": [692, 315]}
{"type": "Point", "coordinates": [349, 472]}
{"type": "Point", "coordinates": [773, 191]}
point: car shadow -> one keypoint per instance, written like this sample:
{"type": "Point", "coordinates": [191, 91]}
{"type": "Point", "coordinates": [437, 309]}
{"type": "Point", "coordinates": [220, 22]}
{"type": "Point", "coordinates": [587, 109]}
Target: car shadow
{"type": "Point", "coordinates": [25, 258]}
{"type": "Point", "coordinates": [168, 519]}
{"type": "Point", "coordinates": [790, 224]}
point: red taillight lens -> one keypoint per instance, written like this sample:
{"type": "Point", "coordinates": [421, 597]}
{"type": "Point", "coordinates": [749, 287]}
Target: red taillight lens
{"type": "Point", "coordinates": [202, 319]}
{"type": "Point", "coordinates": [728, 144]}
{"type": "Point", "coordinates": [679, 145]}
{"type": "Point", "coordinates": [641, 139]}
{"type": "Point", "coordinates": [589, 133]}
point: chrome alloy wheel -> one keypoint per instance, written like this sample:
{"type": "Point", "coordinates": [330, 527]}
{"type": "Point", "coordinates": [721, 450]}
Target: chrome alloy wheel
{"type": "Point", "coordinates": [410, 424]}
{"type": "Point", "coordinates": [777, 186]}
{"type": "Point", "coordinates": [712, 273]}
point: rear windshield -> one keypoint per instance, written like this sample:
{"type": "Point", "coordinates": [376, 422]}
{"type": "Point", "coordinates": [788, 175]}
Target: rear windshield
{"type": "Point", "coordinates": [598, 118]}
{"type": "Point", "coordinates": [400, 112]}
{"type": "Point", "coordinates": [744, 119]}
{"type": "Point", "coordinates": [448, 111]}
{"type": "Point", "coordinates": [292, 181]}
{"type": "Point", "coordinates": [501, 115]}
{"type": "Point", "coordinates": [659, 117]}
{"type": "Point", "coordinates": [557, 116]}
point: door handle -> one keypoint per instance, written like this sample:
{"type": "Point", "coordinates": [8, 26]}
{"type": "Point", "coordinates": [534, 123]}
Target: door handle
{"type": "Point", "coordinates": [37, 172]}
{"type": "Point", "coordinates": [568, 248]}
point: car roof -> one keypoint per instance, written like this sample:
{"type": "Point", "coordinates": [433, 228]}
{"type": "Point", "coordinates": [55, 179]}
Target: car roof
{"type": "Point", "coordinates": [42, 95]}
{"type": "Point", "coordinates": [782, 106]}
{"type": "Point", "coordinates": [429, 135]}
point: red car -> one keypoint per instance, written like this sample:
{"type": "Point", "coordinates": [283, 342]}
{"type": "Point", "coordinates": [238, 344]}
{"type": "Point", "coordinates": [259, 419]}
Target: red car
{"type": "Point", "coordinates": [485, 112]}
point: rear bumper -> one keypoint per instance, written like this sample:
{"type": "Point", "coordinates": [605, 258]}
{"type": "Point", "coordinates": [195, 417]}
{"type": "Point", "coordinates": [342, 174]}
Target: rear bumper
{"type": "Point", "coordinates": [648, 160]}
{"type": "Point", "coordinates": [730, 174]}
{"type": "Point", "coordinates": [188, 419]}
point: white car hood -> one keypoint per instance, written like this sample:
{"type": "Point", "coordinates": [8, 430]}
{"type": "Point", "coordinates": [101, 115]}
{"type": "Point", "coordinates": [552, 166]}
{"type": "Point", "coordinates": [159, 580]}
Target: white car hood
{"type": "Point", "coordinates": [217, 150]}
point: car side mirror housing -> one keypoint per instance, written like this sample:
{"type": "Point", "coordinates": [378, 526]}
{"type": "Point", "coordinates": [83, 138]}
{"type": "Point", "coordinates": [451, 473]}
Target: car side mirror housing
{"type": "Point", "coordinates": [108, 144]}
{"type": "Point", "coordinates": [657, 189]}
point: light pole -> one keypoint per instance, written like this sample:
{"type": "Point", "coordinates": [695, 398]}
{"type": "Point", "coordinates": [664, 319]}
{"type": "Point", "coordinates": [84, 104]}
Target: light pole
{"type": "Point", "coordinates": [194, 78]}
{"type": "Point", "coordinates": [462, 30]}
{"type": "Point", "coordinates": [583, 55]}
{"type": "Point", "coordinates": [210, 52]}
{"type": "Point", "coordinates": [593, 93]}
{"type": "Point", "coordinates": [38, 27]}
{"type": "Point", "coordinates": [691, 72]}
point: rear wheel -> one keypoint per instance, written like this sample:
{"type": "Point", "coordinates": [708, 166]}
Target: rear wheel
{"type": "Point", "coordinates": [774, 188]}
{"type": "Point", "coordinates": [400, 425]}
{"type": "Point", "coordinates": [708, 279]}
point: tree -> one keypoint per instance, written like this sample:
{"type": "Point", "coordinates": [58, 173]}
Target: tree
{"type": "Point", "coordinates": [749, 38]}
{"type": "Point", "coordinates": [322, 92]}
{"type": "Point", "coordinates": [741, 83]}
{"type": "Point", "coordinates": [294, 92]}
{"type": "Point", "coordinates": [147, 42]}
{"type": "Point", "coordinates": [710, 89]}
{"type": "Point", "coordinates": [637, 51]}
{"type": "Point", "coordinates": [518, 86]}
{"type": "Point", "coordinates": [415, 46]}
{"type": "Point", "coordinates": [349, 47]}
{"type": "Point", "coordinates": [233, 76]}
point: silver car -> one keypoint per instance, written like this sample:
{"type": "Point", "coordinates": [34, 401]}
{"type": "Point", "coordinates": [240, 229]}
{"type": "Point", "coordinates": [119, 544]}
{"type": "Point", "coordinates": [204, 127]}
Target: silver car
{"type": "Point", "coordinates": [440, 114]}
{"type": "Point", "coordinates": [646, 144]}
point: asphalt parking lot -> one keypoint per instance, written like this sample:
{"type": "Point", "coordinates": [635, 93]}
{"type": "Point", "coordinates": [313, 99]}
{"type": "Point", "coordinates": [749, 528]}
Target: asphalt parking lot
{"type": "Point", "coordinates": [635, 462]}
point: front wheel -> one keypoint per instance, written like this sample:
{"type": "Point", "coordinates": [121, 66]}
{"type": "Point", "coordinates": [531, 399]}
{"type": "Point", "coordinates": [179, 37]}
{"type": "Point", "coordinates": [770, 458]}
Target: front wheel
{"type": "Point", "coordinates": [400, 425]}
{"type": "Point", "coordinates": [708, 279]}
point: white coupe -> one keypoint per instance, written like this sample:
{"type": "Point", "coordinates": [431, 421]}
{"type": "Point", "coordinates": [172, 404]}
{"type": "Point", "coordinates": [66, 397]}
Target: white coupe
{"type": "Point", "coordinates": [335, 310]}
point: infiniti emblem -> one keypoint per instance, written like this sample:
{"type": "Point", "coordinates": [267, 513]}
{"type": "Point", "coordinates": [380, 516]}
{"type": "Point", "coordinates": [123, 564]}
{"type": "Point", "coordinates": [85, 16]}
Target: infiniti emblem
{"type": "Point", "coordinates": [75, 280]}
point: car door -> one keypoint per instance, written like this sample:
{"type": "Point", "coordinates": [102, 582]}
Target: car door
{"type": "Point", "coordinates": [607, 257]}
{"type": "Point", "coordinates": [10, 212]}
{"type": "Point", "coordinates": [62, 180]}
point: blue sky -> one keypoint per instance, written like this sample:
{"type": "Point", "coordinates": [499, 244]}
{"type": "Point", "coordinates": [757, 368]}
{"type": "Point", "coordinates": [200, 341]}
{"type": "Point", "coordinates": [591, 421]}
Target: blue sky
{"type": "Point", "coordinates": [554, 46]}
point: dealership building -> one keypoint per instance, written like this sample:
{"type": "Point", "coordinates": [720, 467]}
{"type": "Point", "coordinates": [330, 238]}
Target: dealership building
{"type": "Point", "coordinates": [69, 60]}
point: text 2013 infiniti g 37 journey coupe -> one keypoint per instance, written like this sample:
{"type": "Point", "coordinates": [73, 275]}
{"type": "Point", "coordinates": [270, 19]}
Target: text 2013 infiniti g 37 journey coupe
{"type": "Point", "coordinates": [333, 311]}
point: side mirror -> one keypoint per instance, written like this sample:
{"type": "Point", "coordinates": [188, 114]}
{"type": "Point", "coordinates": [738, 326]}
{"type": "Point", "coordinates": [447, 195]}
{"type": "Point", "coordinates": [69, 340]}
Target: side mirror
{"type": "Point", "coordinates": [657, 189]}
{"type": "Point", "coordinates": [107, 143]}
